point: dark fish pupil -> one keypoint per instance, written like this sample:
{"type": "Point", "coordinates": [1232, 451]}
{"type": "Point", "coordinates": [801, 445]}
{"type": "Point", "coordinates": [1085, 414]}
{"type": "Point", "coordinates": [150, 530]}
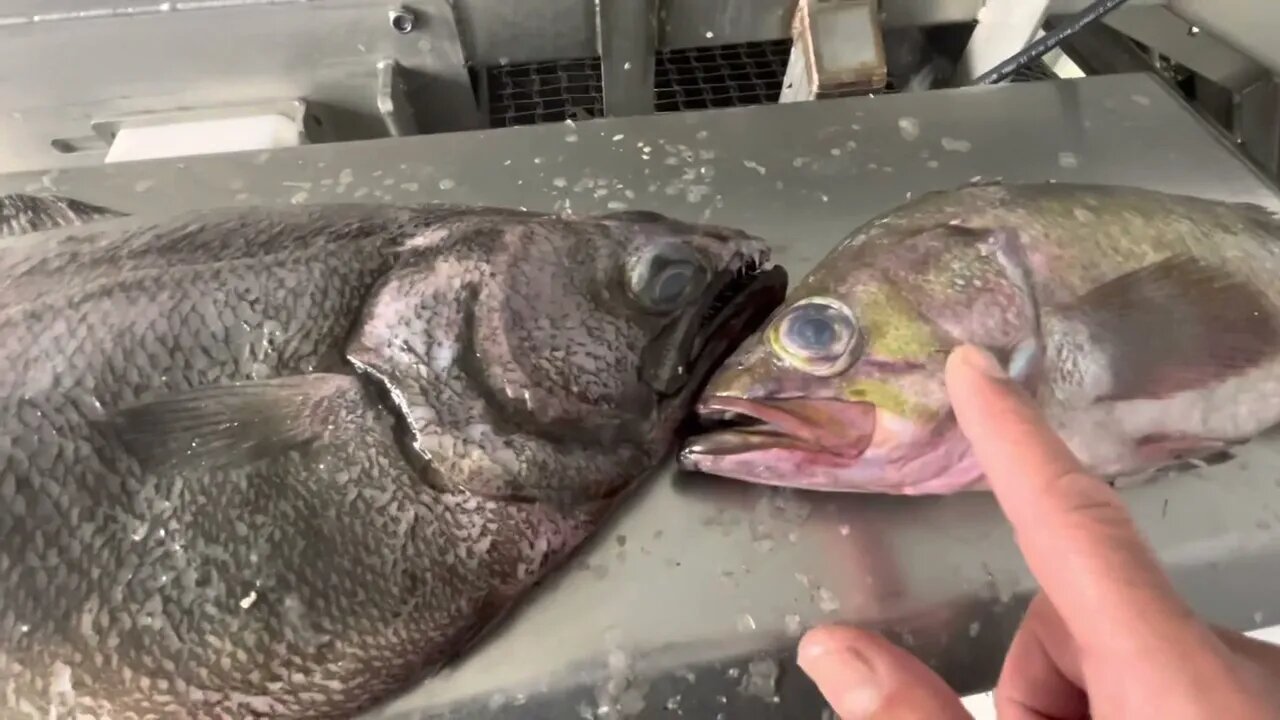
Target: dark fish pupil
{"type": "Point", "coordinates": [672, 284]}
{"type": "Point", "coordinates": [814, 333]}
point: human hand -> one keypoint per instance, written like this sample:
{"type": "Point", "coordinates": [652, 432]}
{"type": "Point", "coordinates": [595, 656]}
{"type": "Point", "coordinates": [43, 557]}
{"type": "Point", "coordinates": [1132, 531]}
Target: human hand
{"type": "Point", "coordinates": [1107, 636]}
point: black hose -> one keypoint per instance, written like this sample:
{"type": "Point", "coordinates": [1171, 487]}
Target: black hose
{"type": "Point", "coordinates": [1047, 42]}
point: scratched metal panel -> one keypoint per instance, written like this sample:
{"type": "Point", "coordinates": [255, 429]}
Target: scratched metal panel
{"type": "Point", "coordinates": [62, 69]}
{"type": "Point", "coordinates": [66, 63]}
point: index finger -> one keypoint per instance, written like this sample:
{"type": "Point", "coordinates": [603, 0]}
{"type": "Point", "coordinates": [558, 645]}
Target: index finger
{"type": "Point", "coordinates": [1074, 531]}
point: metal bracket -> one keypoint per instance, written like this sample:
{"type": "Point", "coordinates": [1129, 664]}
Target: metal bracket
{"type": "Point", "coordinates": [838, 50]}
{"type": "Point", "coordinates": [308, 120]}
{"type": "Point", "coordinates": [1004, 28]}
{"type": "Point", "coordinates": [143, 61]}
{"type": "Point", "coordinates": [393, 104]}
{"type": "Point", "coordinates": [627, 35]}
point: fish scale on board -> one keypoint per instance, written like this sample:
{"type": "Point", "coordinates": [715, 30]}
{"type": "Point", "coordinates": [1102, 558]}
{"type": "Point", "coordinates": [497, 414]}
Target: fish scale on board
{"type": "Point", "coordinates": [1146, 324]}
{"type": "Point", "coordinates": [284, 462]}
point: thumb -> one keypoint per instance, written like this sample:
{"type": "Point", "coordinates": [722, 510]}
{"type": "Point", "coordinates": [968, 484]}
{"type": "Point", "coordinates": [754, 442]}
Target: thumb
{"type": "Point", "coordinates": [865, 677]}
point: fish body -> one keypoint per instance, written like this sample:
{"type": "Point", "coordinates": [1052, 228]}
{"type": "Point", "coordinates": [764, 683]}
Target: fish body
{"type": "Point", "coordinates": [282, 462]}
{"type": "Point", "coordinates": [1144, 323]}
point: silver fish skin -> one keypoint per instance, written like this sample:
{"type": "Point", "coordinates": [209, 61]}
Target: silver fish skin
{"type": "Point", "coordinates": [1146, 324]}
{"type": "Point", "coordinates": [283, 462]}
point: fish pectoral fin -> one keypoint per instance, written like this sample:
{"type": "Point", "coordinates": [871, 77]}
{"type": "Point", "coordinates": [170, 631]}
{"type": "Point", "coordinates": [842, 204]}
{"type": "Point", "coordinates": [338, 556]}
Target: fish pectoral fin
{"type": "Point", "coordinates": [219, 427]}
{"type": "Point", "coordinates": [1176, 325]}
{"type": "Point", "coordinates": [1165, 448]}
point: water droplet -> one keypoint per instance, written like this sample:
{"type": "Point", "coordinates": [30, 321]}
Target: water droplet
{"type": "Point", "coordinates": [791, 623]}
{"type": "Point", "coordinates": [762, 679]}
{"type": "Point", "coordinates": [447, 184]}
{"type": "Point", "coordinates": [955, 145]}
{"type": "Point", "coordinates": [909, 127]}
{"type": "Point", "coordinates": [1068, 160]}
{"type": "Point", "coordinates": [827, 600]}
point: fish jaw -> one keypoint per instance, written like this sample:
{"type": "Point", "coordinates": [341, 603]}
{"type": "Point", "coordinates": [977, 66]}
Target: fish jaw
{"type": "Point", "coordinates": [832, 446]}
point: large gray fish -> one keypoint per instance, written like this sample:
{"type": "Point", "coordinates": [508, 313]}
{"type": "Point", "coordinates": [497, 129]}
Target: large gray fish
{"type": "Point", "coordinates": [1146, 324]}
{"type": "Point", "coordinates": [282, 462]}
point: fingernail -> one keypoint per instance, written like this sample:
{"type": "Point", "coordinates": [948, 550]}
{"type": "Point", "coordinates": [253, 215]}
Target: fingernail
{"type": "Point", "coordinates": [983, 361]}
{"type": "Point", "coordinates": [844, 677]}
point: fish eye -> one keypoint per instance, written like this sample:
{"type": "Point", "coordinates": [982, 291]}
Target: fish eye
{"type": "Point", "coordinates": [665, 277]}
{"type": "Point", "coordinates": [818, 336]}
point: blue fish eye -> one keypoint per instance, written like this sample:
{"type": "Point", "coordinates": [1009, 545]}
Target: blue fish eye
{"type": "Point", "coordinates": [818, 334]}
{"type": "Point", "coordinates": [672, 282]}
{"type": "Point", "coordinates": [813, 332]}
{"type": "Point", "coordinates": [666, 276]}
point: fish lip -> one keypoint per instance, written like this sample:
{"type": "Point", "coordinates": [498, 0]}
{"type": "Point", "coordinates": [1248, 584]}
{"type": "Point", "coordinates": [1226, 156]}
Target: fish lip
{"type": "Point", "coordinates": [830, 427]}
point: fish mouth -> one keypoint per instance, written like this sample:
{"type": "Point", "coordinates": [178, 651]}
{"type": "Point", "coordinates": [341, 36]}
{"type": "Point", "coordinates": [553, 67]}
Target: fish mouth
{"type": "Point", "coordinates": [739, 300]}
{"type": "Point", "coordinates": [837, 430]}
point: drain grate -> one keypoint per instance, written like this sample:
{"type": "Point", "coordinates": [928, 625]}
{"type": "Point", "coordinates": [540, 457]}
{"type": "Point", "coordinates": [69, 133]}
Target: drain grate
{"type": "Point", "coordinates": [719, 77]}
{"type": "Point", "coordinates": [551, 91]}
{"type": "Point", "coordinates": [545, 92]}
{"type": "Point", "coordinates": [685, 79]}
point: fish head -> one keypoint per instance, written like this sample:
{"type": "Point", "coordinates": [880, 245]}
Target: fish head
{"type": "Point", "coordinates": [681, 296]}
{"type": "Point", "coordinates": [692, 293]}
{"type": "Point", "coordinates": [588, 340]}
{"type": "Point", "coordinates": [843, 389]}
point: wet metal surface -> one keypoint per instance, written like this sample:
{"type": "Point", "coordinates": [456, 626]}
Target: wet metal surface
{"type": "Point", "coordinates": [690, 602]}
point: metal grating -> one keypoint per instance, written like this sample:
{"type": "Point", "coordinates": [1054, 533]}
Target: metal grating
{"type": "Point", "coordinates": [1036, 71]}
{"type": "Point", "coordinates": [685, 79]}
{"type": "Point", "coordinates": [723, 76]}
{"type": "Point", "coordinates": [552, 91]}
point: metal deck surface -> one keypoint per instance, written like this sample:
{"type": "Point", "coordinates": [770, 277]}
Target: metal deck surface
{"type": "Point", "coordinates": [689, 602]}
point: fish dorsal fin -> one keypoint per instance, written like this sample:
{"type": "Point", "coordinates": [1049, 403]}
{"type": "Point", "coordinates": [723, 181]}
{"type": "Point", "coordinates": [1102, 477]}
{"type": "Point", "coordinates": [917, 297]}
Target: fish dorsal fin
{"type": "Point", "coordinates": [219, 427]}
{"type": "Point", "coordinates": [1266, 219]}
{"type": "Point", "coordinates": [1175, 325]}
{"type": "Point", "coordinates": [22, 214]}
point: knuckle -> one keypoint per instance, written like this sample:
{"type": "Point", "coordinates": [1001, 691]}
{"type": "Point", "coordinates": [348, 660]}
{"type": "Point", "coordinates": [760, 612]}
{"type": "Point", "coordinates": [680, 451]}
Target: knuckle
{"type": "Point", "coordinates": [1087, 499]}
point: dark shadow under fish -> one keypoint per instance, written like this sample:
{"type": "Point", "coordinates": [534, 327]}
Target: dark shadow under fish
{"type": "Point", "coordinates": [282, 462]}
